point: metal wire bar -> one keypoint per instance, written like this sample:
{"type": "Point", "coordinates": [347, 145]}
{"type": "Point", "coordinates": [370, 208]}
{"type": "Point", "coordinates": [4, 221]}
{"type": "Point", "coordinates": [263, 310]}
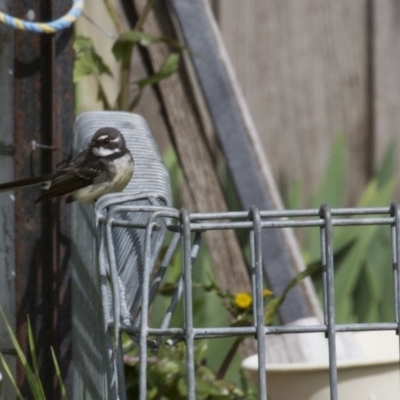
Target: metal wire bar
{"type": "Point", "coordinates": [258, 301]}
{"type": "Point", "coordinates": [246, 224]}
{"type": "Point", "coordinates": [326, 230]}
{"type": "Point", "coordinates": [395, 231]}
{"type": "Point", "coordinates": [324, 276]}
{"type": "Point", "coordinates": [188, 305]}
{"type": "Point", "coordinates": [203, 226]}
{"type": "Point", "coordinates": [395, 270]}
{"type": "Point", "coordinates": [163, 266]}
{"type": "Point", "coordinates": [144, 310]}
{"type": "Point", "coordinates": [232, 215]}
{"type": "Point", "coordinates": [117, 311]}
{"type": "Point", "coordinates": [145, 300]}
{"type": "Point", "coordinates": [218, 225]}
{"type": "Point", "coordinates": [291, 213]}
{"type": "Point", "coordinates": [252, 275]}
{"type": "Point", "coordinates": [178, 291]}
{"type": "Point", "coordinates": [202, 333]}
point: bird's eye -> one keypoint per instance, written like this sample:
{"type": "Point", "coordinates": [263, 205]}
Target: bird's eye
{"type": "Point", "coordinates": [106, 141]}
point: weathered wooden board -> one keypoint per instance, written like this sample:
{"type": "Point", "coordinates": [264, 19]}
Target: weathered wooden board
{"type": "Point", "coordinates": [195, 159]}
{"type": "Point", "coordinates": [302, 68]}
{"type": "Point", "coordinates": [385, 58]}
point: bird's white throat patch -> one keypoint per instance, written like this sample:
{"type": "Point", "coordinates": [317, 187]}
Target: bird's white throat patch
{"type": "Point", "coordinates": [103, 152]}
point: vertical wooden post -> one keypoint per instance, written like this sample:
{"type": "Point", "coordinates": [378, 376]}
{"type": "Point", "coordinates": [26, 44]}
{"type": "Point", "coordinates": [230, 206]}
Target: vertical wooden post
{"type": "Point", "coordinates": [7, 290]}
{"type": "Point", "coordinates": [43, 99]}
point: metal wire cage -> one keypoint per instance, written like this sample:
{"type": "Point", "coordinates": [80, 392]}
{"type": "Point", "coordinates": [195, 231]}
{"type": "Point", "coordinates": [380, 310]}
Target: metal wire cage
{"type": "Point", "coordinates": [115, 247]}
{"type": "Point", "coordinates": [185, 224]}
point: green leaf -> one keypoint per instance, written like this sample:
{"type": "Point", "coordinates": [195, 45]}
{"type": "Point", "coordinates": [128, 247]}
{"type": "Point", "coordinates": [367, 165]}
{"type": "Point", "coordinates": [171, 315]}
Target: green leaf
{"type": "Point", "coordinates": [58, 374]}
{"type": "Point", "coordinates": [208, 386]}
{"type": "Point", "coordinates": [182, 388]}
{"type": "Point", "coordinates": [365, 300]}
{"type": "Point", "coordinates": [200, 351]}
{"type": "Point", "coordinates": [295, 194]}
{"type": "Point", "coordinates": [169, 67]}
{"type": "Point", "coordinates": [386, 304]}
{"type": "Point", "coordinates": [88, 62]}
{"type": "Point", "coordinates": [386, 169]}
{"type": "Point", "coordinates": [352, 267]}
{"type": "Point", "coordinates": [125, 42]}
{"type": "Point", "coordinates": [175, 172]}
{"type": "Point", "coordinates": [380, 259]}
{"type": "Point", "coordinates": [33, 379]}
{"type": "Point", "coordinates": [273, 306]}
{"type": "Point", "coordinates": [331, 190]}
{"type": "Point", "coordinates": [32, 348]}
{"type": "Point", "coordinates": [363, 282]}
{"type": "Point", "coordinates": [344, 310]}
{"type": "Point", "coordinates": [11, 377]}
{"type": "Point", "coordinates": [376, 195]}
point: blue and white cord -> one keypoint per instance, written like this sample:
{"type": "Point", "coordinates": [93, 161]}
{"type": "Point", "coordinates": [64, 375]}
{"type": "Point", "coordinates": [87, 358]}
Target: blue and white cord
{"type": "Point", "coordinates": [46, 27]}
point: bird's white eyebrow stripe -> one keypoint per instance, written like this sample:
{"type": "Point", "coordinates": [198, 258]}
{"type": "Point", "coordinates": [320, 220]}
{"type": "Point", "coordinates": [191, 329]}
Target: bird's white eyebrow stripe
{"type": "Point", "coordinates": [102, 152]}
{"type": "Point", "coordinates": [102, 137]}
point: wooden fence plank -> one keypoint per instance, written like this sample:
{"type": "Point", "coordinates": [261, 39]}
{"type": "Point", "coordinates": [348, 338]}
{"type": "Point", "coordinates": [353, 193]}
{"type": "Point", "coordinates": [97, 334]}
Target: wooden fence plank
{"type": "Point", "coordinates": [302, 68]}
{"type": "Point", "coordinates": [386, 73]}
{"type": "Point", "coordinates": [202, 185]}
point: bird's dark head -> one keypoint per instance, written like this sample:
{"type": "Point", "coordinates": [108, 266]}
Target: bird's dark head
{"type": "Point", "coordinates": [107, 142]}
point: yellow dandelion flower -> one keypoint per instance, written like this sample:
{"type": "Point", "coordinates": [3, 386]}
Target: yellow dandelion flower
{"type": "Point", "coordinates": [267, 293]}
{"type": "Point", "coordinates": [243, 300]}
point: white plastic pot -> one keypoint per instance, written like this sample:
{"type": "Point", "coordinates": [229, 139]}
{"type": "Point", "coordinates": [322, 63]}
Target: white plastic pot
{"type": "Point", "coordinates": [375, 377]}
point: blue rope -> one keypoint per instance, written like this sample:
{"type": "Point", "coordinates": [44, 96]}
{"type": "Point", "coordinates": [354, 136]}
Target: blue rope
{"type": "Point", "coordinates": [46, 27]}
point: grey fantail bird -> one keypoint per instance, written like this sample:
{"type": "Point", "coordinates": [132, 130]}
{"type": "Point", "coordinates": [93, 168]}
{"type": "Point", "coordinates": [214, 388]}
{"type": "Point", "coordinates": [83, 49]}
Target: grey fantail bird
{"type": "Point", "coordinates": [106, 166]}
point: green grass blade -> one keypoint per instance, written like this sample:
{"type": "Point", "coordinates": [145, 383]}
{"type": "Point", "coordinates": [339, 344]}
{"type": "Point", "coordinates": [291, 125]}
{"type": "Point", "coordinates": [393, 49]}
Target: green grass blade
{"type": "Point", "coordinates": [10, 376]}
{"type": "Point", "coordinates": [330, 191]}
{"type": "Point", "coordinates": [294, 195]}
{"type": "Point", "coordinates": [386, 169]}
{"type": "Point", "coordinates": [334, 179]}
{"type": "Point", "coordinates": [32, 348]}
{"type": "Point", "coordinates": [33, 379]}
{"type": "Point", "coordinates": [39, 391]}
{"type": "Point", "coordinates": [59, 378]}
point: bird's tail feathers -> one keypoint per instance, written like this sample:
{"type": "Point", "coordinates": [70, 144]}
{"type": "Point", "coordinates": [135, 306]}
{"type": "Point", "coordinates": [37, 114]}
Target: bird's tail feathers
{"type": "Point", "coordinates": [34, 181]}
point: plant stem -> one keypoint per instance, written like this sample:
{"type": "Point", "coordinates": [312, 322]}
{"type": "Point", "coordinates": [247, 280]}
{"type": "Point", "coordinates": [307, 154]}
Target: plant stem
{"type": "Point", "coordinates": [145, 12]}
{"type": "Point", "coordinates": [124, 76]}
{"type": "Point", "coordinates": [126, 66]}
{"type": "Point", "coordinates": [124, 90]}
{"type": "Point", "coordinates": [228, 358]}
{"type": "Point", "coordinates": [106, 103]}
{"type": "Point", "coordinates": [114, 16]}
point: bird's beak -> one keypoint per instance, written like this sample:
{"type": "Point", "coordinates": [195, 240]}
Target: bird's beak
{"type": "Point", "coordinates": [92, 144]}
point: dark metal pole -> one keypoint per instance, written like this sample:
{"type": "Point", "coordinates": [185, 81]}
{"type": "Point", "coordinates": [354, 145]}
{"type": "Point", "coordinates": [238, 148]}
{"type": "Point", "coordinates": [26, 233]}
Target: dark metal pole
{"type": "Point", "coordinates": [43, 101]}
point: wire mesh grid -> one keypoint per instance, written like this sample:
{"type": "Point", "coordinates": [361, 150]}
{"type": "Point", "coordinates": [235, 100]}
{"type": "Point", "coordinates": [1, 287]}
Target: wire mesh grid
{"type": "Point", "coordinates": [188, 229]}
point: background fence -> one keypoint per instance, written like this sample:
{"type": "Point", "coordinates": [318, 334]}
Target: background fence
{"type": "Point", "coordinates": [310, 69]}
